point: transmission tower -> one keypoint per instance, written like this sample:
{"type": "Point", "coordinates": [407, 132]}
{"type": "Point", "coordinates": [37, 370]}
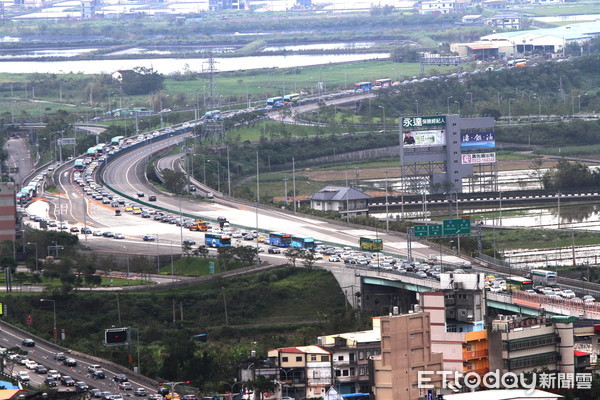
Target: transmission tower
{"type": "Point", "coordinates": [212, 128]}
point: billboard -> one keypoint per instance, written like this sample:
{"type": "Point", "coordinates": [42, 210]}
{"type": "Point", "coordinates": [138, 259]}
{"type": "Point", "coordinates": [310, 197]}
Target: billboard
{"type": "Point", "coordinates": [412, 122]}
{"type": "Point", "coordinates": [477, 140]}
{"type": "Point", "coordinates": [478, 158]}
{"type": "Point", "coordinates": [425, 138]}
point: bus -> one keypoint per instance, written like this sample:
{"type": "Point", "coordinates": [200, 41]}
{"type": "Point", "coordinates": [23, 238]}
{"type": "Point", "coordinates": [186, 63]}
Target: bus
{"type": "Point", "coordinates": [518, 283]}
{"type": "Point", "coordinates": [100, 148]}
{"type": "Point", "coordinates": [21, 198]}
{"type": "Point", "coordinates": [381, 83]}
{"type": "Point", "coordinates": [274, 102]}
{"type": "Point", "coordinates": [303, 243]}
{"type": "Point", "coordinates": [291, 98]}
{"type": "Point", "coordinates": [280, 239]}
{"type": "Point", "coordinates": [369, 244]}
{"type": "Point", "coordinates": [91, 152]}
{"type": "Point", "coordinates": [518, 62]}
{"type": "Point", "coordinates": [79, 165]}
{"type": "Point", "coordinates": [216, 240]}
{"type": "Point", "coordinates": [117, 140]}
{"type": "Point", "coordinates": [541, 277]}
{"type": "Point", "coordinates": [362, 87]}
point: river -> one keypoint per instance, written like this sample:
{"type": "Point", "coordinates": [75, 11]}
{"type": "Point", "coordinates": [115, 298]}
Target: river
{"type": "Point", "coordinates": [173, 65]}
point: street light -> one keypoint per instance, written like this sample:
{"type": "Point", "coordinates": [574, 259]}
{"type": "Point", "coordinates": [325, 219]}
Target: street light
{"type": "Point", "coordinates": [417, 101]}
{"type": "Point", "coordinates": [458, 102]}
{"type": "Point", "coordinates": [448, 103]}
{"type": "Point", "coordinates": [383, 108]}
{"type": "Point", "coordinates": [471, 95]}
{"type": "Point", "coordinates": [509, 112]}
{"type": "Point", "coordinates": [36, 256]}
{"type": "Point", "coordinates": [54, 309]}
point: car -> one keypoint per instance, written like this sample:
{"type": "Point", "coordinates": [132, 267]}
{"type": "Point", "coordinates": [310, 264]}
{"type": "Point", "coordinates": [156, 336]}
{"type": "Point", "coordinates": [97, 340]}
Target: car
{"type": "Point", "coordinates": [148, 238]}
{"type": "Point", "coordinates": [49, 381]}
{"type": "Point", "coordinates": [334, 258]}
{"type": "Point", "coordinates": [145, 215]}
{"type": "Point", "coordinates": [210, 195]}
{"type": "Point", "coordinates": [30, 364]}
{"type": "Point", "coordinates": [52, 223]}
{"type": "Point", "coordinates": [119, 236]}
{"type": "Point", "coordinates": [568, 294]}
{"type": "Point", "coordinates": [105, 200]}
{"type": "Point", "coordinates": [530, 291]}
{"type": "Point", "coordinates": [40, 369]}
{"type": "Point", "coordinates": [140, 194]}
{"type": "Point", "coordinates": [81, 386]}
{"type": "Point", "coordinates": [421, 274]}
{"type": "Point", "coordinates": [140, 392]}
{"type": "Point", "coordinates": [95, 393]}
{"type": "Point", "coordinates": [189, 397]}
{"type": "Point", "coordinates": [155, 397]}
{"type": "Point", "coordinates": [54, 374]}
{"type": "Point", "coordinates": [248, 236]}
{"type": "Point", "coordinates": [120, 378]}
{"type": "Point", "coordinates": [86, 231]}
{"type": "Point", "coordinates": [97, 233]}
{"type": "Point", "coordinates": [189, 242]}
{"type": "Point", "coordinates": [151, 198]}
{"type": "Point", "coordinates": [114, 204]}
{"type": "Point", "coordinates": [23, 376]}
{"type": "Point", "coordinates": [163, 391]}
{"type": "Point", "coordinates": [125, 386]}
{"type": "Point", "coordinates": [108, 234]}
{"type": "Point", "coordinates": [105, 395]}
{"type": "Point", "coordinates": [117, 397]}
{"type": "Point", "coordinates": [66, 380]}
{"type": "Point", "coordinates": [274, 250]}
{"type": "Point", "coordinates": [70, 362]}
{"type": "Point", "coordinates": [236, 234]}
{"type": "Point", "coordinates": [588, 298]}
{"type": "Point", "coordinates": [136, 211]}
{"type": "Point", "coordinates": [28, 343]}
{"type": "Point", "coordinates": [98, 374]}
{"type": "Point", "coordinates": [94, 367]}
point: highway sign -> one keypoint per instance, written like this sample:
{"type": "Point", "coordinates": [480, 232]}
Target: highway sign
{"type": "Point", "coordinates": [421, 230]}
{"type": "Point", "coordinates": [427, 230]}
{"type": "Point", "coordinates": [457, 226]}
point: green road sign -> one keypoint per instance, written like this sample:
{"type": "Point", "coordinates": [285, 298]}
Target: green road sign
{"type": "Point", "coordinates": [435, 230]}
{"type": "Point", "coordinates": [457, 226]}
{"type": "Point", "coordinates": [421, 230]}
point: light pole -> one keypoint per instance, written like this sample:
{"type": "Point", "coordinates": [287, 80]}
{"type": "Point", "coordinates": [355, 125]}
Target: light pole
{"type": "Point", "coordinates": [448, 103]}
{"type": "Point", "coordinates": [417, 101]}
{"type": "Point", "coordinates": [387, 212]}
{"type": "Point", "coordinates": [383, 108]}
{"type": "Point", "coordinates": [458, 103]}
{"type": "Point", "coordinates": [54, 310]}
{"type": "Point", "coordinates": [509, 112]}
{"type": "Point", "coordinates": [36, 256]}
{"type": "Point", "coordinates": [471, 97]}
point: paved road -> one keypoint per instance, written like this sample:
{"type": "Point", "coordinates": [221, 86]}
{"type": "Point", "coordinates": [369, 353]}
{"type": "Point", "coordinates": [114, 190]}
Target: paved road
{"type": "Point", "coordinates": [18, 156]}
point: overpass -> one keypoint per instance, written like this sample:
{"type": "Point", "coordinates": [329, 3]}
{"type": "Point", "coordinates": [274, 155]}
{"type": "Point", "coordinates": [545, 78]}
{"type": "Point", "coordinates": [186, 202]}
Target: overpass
{"type": "Point", "coordinates": [405, 286]}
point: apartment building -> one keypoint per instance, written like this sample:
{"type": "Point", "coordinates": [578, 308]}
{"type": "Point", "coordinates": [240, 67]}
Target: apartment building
{"type": "Point", "coordinates": [521, 344]}
{"type": "Point", "coordinates": [350, 357]}
{"type": "Point", "coordinates": [305, 371]}
{"type": "Point", "coordinates": [405, 350]}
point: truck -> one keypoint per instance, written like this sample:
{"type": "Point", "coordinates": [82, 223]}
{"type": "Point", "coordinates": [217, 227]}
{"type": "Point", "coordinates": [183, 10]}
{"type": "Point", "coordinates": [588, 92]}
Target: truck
{"type": "Point", "coordinates": [199, 225]}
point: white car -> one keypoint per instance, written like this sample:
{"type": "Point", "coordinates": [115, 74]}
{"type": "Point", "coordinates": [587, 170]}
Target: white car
{"type": "Point", "coordinates": [334, 258]}
{"type": "Point", "coordinates": [97, 233]}
{"type": "Point", "coordinates": [568, 294]}
{"type": "Point", "coordinates": [236, 235]}
{"type": "Point", "coordinates": [54, 374]}
{"type": "Point", "coordinates": [30, 364]}
{"type": "Point", "coordinates": [23, 376]}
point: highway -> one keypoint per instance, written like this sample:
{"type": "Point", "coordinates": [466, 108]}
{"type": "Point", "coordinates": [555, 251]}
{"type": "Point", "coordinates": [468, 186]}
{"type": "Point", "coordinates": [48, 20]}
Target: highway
{"type": "Point", "coordinates": [43, 353]}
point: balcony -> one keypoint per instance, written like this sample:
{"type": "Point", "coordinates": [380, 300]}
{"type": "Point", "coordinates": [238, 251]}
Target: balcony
{"type": "Point", "coordinates": [469, 355]}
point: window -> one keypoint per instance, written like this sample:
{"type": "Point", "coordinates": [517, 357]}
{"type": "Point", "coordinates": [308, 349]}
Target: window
{"type": "Point", "coordinates": [361, 355]}
{"type": "Point", "coordinates": [313, 357]}
{"type": "Point", "coordinates": [324, 358]}
{"type": "Point", "coordinates": [352, 371]}
{"type": "Point", "coordinates": [345, 372]}
{"type": "Point", "coordinates": [284, 359]}
{"type": "Point", "coordinates": [340, 358]}
{"type": "Point", "coordinates": [338, 372]}
{"type": "Point", "coordinates": [361, 371]}
{"type": "Point", "coordinates": [298, 358]}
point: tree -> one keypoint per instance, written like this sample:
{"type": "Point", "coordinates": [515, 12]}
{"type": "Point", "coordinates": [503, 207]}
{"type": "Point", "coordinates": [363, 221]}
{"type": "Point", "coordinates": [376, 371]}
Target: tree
{"type": "Point", "coordinates": [292, 255]}
{"type": "Point", "coordinates": [225, 256]}
{"type": "Point", "coordinates": [261, 385]}
{"type": "Point", "coordinates": [245, 254]}
{"type": "Point", "coordinates": [308, 259]}
{"type": "Point", "coordinates": [175, 181]}
{"type": "Point", "coordinates": [570, 175]}
{"type": "Point", "coordinates": [142, 80]}
{"type": "Point", "coordinates": [201, 251]}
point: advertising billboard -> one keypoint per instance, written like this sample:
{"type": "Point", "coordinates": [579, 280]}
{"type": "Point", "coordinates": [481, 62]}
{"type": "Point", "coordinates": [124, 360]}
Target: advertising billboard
{"type": "Point", "coordinates": [434, 120]}
{"type": "Point", "coordinates": [477, 140]}
{"type": "Point", "coordinates": [425, 138]}
{"type": "Point", "coordinates": [478, 158]}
